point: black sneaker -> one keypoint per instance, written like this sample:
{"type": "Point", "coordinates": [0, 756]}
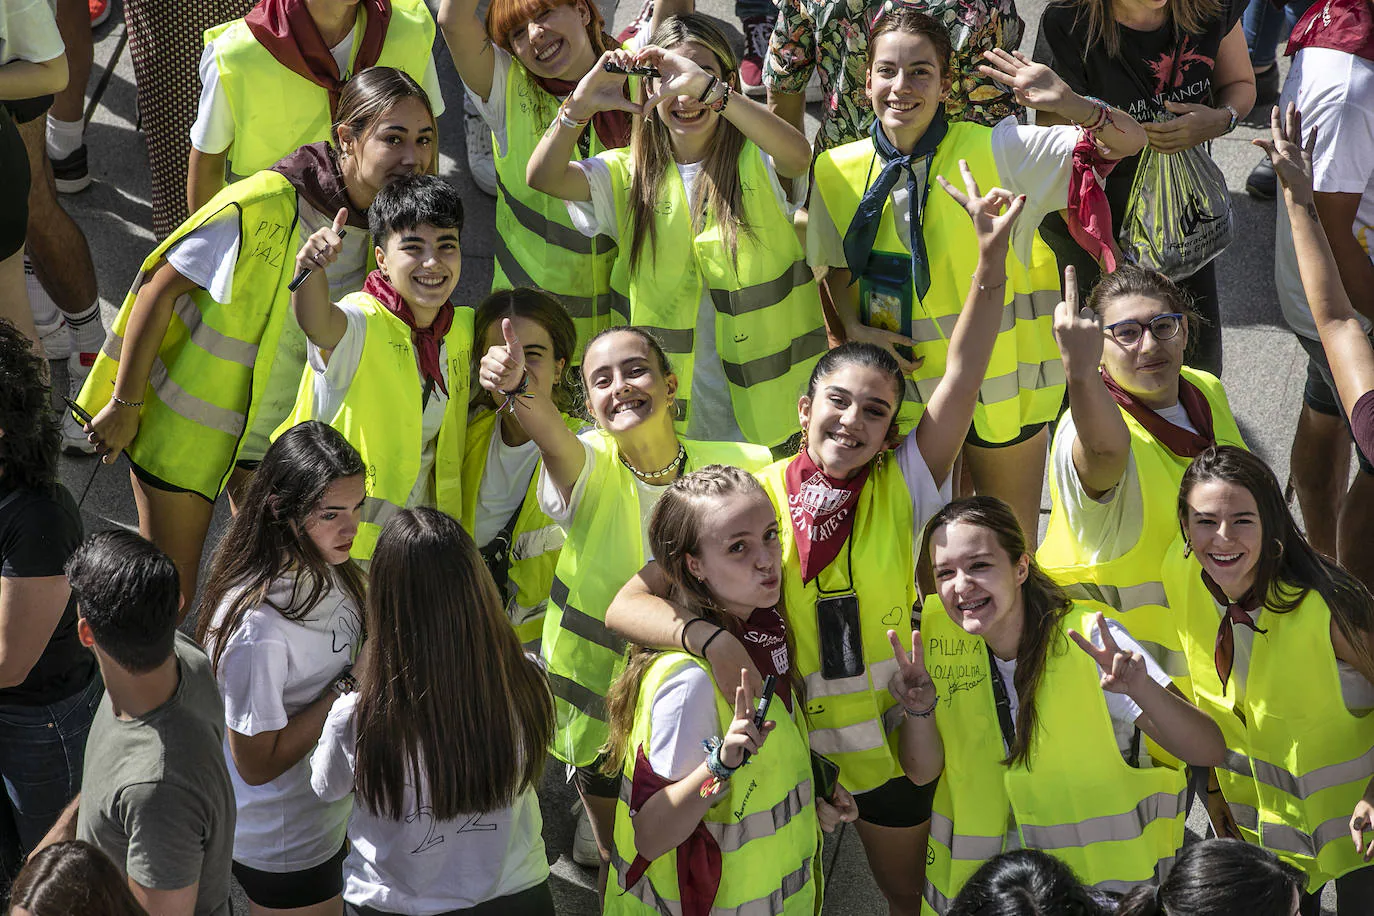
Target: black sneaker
{"type": "Point", "coordinates": [1267, 89]}
{"type": "Point", "coordinates": [1262, 184]}
{"type": "Point", "coordinates": [70, 173]}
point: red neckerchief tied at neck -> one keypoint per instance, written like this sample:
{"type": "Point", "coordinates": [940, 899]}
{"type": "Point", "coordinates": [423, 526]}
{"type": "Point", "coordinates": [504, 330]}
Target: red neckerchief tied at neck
{"type": "Point", "coordinates": [426, 340]}
{"type": "Point", "coordinates": [822, 510]}
{"type": "Point", "coordinates": [1182, 442]}
{"type": "Point", "coordinates": [288, 32]}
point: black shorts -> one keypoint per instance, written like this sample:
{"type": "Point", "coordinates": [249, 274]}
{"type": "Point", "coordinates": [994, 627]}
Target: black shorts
{"type": "Point", "coordinates": [286, 890]}
{"type": "Point", "coordinates": [25, 110]}
{"type": "Point", "coordinates": [591, 781]}
{"type": "Point", "coordinates": [1027, 432]}
{"type": "Point", "coordinates": [899, 802]}
{"type": "Point", "coordinates": [14, 187]}
{"type": "Point", "coordinates": [1319, 392]}
{"type": "Point", "coordinates": [534, 901]}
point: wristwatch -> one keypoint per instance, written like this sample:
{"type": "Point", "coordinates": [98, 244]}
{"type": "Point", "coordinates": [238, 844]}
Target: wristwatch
{"type": "Point", "coordinates": [345, 684]}
{"type": "Point", "coordinates": [1235, 118]}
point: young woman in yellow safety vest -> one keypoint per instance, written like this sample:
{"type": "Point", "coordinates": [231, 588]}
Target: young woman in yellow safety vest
{"type": "Point", "coordinates": [204, 357]}
{"type": "Point", "coordinates": [389, 366]}
{"type": "Point", "coordinates": [854, 509]}
{"type": "Point", "coordinates": [708, 259]}
{"type": "Point", "coordinates": [501, 463]}
{"type": "Point", "coordinates": [272, 81]}
{"type": "Point", "coordinates": [1280, 648]}
{"type": "Point", "coordinates": [1032, 734]}
{"type": "Point", "coordinates": [518, 68]}
{"type": "Point", "coordinates": [600, 487]}
{"type": "Point", "coordinates": [715, 536]}
{"type": "Point", "coordinates": [1137, 415]}
{"type": "Point", "coordinates": [899, 258]}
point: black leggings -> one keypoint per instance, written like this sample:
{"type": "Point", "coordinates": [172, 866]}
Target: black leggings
{"type": "Point", "coordinates": [14, 187]}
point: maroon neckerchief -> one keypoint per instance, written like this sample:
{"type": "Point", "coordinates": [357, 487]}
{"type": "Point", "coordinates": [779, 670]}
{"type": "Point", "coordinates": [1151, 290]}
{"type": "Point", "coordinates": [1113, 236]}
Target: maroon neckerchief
{"type": "Point", "coordinates": [764, 636]}
{"type": "Point", "coordinates": [426, 340]}
{"type": "Point", "coordinates": [612, 127]}
{"type": "Point", "coordinates": [1182, 442]}
{"type": "Point", "coordinates": [313, 171]}
{"type": "Point", "coordinates": [822, 511]}
{"type": "Point", "coordinates": [1089, 215]}
{"type": "Point", "coordinates": [1237, 612]}
{"type": "Point", "coordinates": [1340, 25]}
{"type": "Point", "coordinates": [288, 32]}
{"type": "Point", "coordinates": [698, 856]}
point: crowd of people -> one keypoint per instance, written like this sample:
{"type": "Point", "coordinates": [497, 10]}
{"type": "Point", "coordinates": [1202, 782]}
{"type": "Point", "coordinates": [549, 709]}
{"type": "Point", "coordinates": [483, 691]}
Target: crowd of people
{"type": "Point", "coordinates": [726, 497]}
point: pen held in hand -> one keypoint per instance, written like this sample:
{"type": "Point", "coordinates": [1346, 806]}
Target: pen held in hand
{"type": "Point", "coordinates": [300, 277]}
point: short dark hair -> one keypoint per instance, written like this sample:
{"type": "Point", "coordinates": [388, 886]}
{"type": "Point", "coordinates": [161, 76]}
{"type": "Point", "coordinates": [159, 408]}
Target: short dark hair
{"type": "Point", "coordinates": [414, 200]}
{"type": "Point", "coordinates": [129, 593]}
{"type": "Point", "coordinates": [33, 435]}
{"type": "Point", "coordinates": [1026, 882]}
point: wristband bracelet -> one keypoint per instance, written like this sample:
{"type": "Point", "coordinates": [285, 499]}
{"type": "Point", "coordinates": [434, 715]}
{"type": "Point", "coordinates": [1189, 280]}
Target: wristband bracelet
{"type": "Point", "coordinates": [985, 287]}
{"type": "Point", "coordinates": [710, 639]}
{"type": "Point", "coordinates": [516, 392]}
{"type": "Point", "coordinates": [568, 120]}
{"type": "Point", "coordinates": [923, 714]}
{"type": "Point", "coordinates": [123, 403]}
{"type": "Point", "coordinates": [345, 684]}
{"type": "Point", "coordinates": [687, 626]}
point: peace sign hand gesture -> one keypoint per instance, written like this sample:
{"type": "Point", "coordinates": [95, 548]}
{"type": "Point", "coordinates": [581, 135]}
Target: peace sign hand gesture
{"type": "Point", "coordinates": [503, 366]}
{"type": "Point", "coordinates": [910, 685]}
{"type": "Point", "coordinates": [1122, 672]}
{"type": "Point", "coordinates": [1078, 331]}
{"type": "Point", "coordinates": [743, 737]}
{"type": "Point", "coordinates": [993, 213]}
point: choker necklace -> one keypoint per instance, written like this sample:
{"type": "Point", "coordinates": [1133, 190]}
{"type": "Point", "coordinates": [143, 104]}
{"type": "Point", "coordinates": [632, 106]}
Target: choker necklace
{"type": "Point", "coordinates": [647, 476]}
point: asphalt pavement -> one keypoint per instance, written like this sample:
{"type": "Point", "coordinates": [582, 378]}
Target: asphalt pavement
{"type": "Point", "coordinates": [1265, 367]}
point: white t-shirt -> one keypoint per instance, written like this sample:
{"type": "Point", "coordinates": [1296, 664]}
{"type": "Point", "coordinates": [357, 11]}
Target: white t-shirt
{"type": "Point", "coordinates": [332, 383]}
{"type": "Point", "coordinates": [418, 865]}
{"type": "Point", "coordinates": [1034, 161]}
{"type": "Point", "coordinates": [208, 256]}
{"type": "Point", "coordinates": [213, 130]}
{"type": "Point", "coordinates": [273, 668]}
{"type": "Point", "coordinates": [28, 32]}
{"type": "Point", "coordinates": [1109, 525]}
{"type": "Point", "coordinates": [509, 470]}
{"type": "Point", "coordinates": [492, 109]}
{"type": "Point", "coordinates": [1335, 93]}
{"type": "Point", "coordinates": [712, 414]}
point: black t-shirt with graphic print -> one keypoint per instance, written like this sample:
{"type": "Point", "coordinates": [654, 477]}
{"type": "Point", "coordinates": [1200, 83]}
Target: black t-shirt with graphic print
{"type": "Point", "coordinates": [1150, 68]}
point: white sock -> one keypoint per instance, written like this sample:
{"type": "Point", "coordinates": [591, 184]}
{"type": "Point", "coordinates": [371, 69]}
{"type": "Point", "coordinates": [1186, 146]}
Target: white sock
{"type": "Point", "coordinates": [64, 137]}
{"type": "Point", "coordinates": [88, 334]}
{"type": "Point", "coordinates": [45, 311]}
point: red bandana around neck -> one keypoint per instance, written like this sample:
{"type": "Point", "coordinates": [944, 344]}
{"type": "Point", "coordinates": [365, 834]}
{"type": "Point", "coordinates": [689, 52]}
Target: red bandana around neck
{"type": "Point", "coordinates": [1182, 442]}
{"type": "Point", "coordinates": [1341, 25]}
{"type": "Point", "coordinates": [1236, 612]}
{"type": "Point", "coordinates": [426, 340]}
{"type": "Point", "coordinates": [764, 636]}
{"type": "Point", "coordinates": [287, 30]}
{"type": "Point", "coordinates": [822, 510]}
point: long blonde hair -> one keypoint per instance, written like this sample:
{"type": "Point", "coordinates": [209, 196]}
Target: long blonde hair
{"type": "Point", "coordinates": [1190, 17]}
{"type": "Point", "coordinates": [717, 191]}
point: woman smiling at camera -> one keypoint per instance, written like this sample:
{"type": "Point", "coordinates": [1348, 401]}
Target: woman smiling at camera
{"type": "Point", "coordinates": [1280, 648]}
{"type": "Point", "coordinates": [848, 550]}
{"type": "Point", "coordinates": [1136, 417]}
{"type": "Point", "coordinates": [1034, 732]}
{"type": "Point", "coordinates": [600, 487]}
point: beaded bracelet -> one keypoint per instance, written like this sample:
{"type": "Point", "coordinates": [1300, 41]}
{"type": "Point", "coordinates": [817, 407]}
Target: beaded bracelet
{"type": "Point", "coordinates": [718, 106]}
{"type": "Point", "coordinates": [519, 391]}
{"type": "Point", "coordinates": [720, 771]}
{"type": "Point", "coordinates": [1101, 119]}
{"type": "Point", "coordinates": [123, 403]}
{"type": "Point", "coordinates": [926, 713]}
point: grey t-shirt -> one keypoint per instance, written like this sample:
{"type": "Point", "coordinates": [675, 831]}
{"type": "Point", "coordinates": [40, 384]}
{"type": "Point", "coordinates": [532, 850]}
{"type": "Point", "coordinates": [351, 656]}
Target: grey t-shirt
{"type": "Point", "coordinates": [155, 793]}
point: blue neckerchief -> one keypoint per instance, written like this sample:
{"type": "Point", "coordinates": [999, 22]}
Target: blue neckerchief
{"type": "Point", "coordinates": [863, 228]}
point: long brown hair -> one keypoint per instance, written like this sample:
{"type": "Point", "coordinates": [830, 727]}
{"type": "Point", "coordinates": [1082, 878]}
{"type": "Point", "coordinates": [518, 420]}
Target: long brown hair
{"type": "Point", "coordinates": [72, 877]}
{"type": "Point", "coordinates": [266, 540]}
{"type": "Point", "coordinates": [369, 95]}
{"type": "Point", "coordinates": [1044, 605]}
{"type": "Point", "coordinates": [717, 191]}
{"type": "Point", "coordinates": [674, 534]}
{"type": "Point", "coordinates": [1188, 17]}
{"type": "Point", "coordinates": [450, 704]}
{"type": "Point", "coordinates": [1288, 567]}
{"type": "Point", "coordinates": [543, 309]}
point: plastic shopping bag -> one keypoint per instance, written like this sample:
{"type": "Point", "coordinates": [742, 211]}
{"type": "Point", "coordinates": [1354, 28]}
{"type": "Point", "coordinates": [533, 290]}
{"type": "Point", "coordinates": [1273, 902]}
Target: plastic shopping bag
{"type": "Point", "coordinates": [1179, 216]}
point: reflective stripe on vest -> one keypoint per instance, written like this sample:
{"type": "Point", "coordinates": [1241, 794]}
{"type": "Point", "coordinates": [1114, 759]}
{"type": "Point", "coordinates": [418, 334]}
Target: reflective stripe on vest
{"type": "Point", "coordinates": [276, 110]}
{"type": "Point", "coordinates": [852, 719]}
{"type": "Point", "coordinates": [603, 549]}
{"type": "Point", "coordinates": [765, 827]}
{"type": "Point", "coordinates": [385, 426]}
{"type": "Point", "coordinates": [536, 244]}
{"type": "Point", "coordinates": [769, 330]}
{"type": "Point", "coordinates": [213, 363]}
{"type": "Point", "coordinates": [1021, 386]}
{"type": "Point", "coordinates": [1107, 828]}
{"type": "Point", "coordinates": [1295, 752]}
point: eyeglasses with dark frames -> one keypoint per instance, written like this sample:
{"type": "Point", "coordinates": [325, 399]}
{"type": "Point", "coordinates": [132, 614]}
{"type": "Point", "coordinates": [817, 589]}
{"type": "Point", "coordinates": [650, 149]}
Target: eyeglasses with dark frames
{"type": "Point", "coordinates": [1162, 327]}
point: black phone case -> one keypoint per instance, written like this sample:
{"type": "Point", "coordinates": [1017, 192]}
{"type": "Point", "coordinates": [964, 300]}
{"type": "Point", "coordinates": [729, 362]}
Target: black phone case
{"type": "Point", "coordinates": [842, 652]}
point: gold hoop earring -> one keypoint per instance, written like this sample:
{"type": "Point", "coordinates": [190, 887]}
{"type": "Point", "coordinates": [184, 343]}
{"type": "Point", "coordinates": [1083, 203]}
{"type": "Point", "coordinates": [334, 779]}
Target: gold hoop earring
{"type": "Point", "coordinates": [879, 459]}
{"type": "Point", "coordinates": [1187, 549]}
{"type": "Point", "coordinates": [1279, 542]}
{"type": "Point", "coordinates": [802, 446]}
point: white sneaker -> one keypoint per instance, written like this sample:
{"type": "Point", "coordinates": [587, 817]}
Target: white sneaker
{"type": "Point", "coordinates": [47, 317]}
{"type": "Point", "coordinates": [481, 158]}
{"type": "Point", "coordinates": [74, 441]}
{"type": "Point", "coordinates": [585, 851]}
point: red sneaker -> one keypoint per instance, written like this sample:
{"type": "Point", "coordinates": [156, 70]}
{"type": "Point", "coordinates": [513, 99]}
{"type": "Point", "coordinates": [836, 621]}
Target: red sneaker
{"type": "Point", "coordinates": [756, 30]}
{"type": "Point", "coordinates": [100, 11]}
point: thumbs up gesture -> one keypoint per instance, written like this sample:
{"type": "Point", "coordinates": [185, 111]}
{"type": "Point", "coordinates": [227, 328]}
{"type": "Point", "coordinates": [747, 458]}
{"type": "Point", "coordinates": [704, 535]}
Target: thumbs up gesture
{"type": "Point", "coordinates": [503, 366]}
{"type": "Point", "coordinates": [323, 246]}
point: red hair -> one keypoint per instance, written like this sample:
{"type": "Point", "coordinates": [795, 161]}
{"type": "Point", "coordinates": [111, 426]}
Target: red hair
{"type": "Point", "coordinates": [505, 16]}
